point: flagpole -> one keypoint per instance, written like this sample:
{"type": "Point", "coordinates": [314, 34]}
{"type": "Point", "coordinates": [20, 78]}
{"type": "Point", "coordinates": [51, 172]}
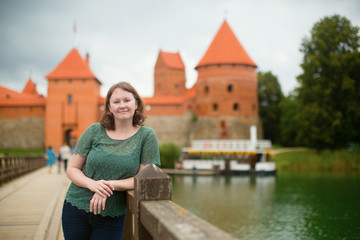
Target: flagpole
{"type": "Point", "coordinates": [75, 33]}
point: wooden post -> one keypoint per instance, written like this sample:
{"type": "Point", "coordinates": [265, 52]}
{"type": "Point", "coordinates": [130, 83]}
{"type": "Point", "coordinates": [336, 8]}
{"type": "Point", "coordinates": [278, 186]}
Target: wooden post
{"type": "Point", "coordinates": [227, 169]}
{"type": "Point", "coordinates": [150, 184]}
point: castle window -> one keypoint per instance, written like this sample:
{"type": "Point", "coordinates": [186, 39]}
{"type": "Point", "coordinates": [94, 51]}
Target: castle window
{"type": "Point", "coordinates": [230, 88]}
{"type": "Point", "coordinates": [236, 106]}
{"type": "Point", "coordinates": [206, 89]}
{"type": "Point", "coordinates": [215, 107]}
{"type": "Point", "coordinates": [222, 124]}
{"type": "Point", "coordinates": [69, 99]}
{"type": "Point", "coordinates": [176, 86]}
{"type": "Point", "coordinates": [254, 107]}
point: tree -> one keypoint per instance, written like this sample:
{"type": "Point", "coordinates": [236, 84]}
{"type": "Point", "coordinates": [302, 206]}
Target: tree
{"type": "Point", "coordinates": [270, 96]}
{"type": "Point", "coordinates": [169, 154]}
{"type": "Point", "coordinates": [329, 92]}
{"type": "Point", "coordinates": [288, 122]}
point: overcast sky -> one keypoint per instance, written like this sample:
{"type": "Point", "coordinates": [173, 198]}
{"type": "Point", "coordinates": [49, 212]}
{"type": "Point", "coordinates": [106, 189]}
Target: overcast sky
{"type": "Point", "coordinates": [123, 38]}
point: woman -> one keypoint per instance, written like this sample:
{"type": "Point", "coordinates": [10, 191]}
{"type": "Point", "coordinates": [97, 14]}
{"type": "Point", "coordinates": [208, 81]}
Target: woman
{"type": "Point", "coordinates": [106, 158]}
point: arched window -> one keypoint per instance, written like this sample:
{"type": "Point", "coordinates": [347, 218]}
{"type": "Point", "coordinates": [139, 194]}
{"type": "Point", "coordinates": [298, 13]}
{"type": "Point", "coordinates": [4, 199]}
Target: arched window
{"type": "Point", "coordinates": [206, 89]}
{"type": "Point", "coordinates": [69, 99]}
{"type": "Point", "coordinates": [230, 88]}
{"type": "Point", "coordinates": [236, 106]}
{"type": "Point", "coordinates": [215, 107]}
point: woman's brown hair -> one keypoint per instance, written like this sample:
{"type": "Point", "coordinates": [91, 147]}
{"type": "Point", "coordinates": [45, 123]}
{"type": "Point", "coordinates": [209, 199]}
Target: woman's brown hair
{"type": "Point", "coordinates": [107, 119]}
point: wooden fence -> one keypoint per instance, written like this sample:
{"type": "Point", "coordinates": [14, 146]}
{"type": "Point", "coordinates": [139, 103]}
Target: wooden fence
{"type": "Point", "coordinates": [153, 216]}
{"type": "Point", "coordinates": [14, 166]}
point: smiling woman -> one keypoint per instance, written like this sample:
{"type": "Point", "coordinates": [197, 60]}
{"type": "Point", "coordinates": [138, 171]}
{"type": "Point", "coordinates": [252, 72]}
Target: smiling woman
{"type": "Point", "coordinates": [107, 157]}
{"type": "Point", "coordinates": [122, 105]}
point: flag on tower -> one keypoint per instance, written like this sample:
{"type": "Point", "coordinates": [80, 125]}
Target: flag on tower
{"type": "Point", "coordinates": [75, 27]}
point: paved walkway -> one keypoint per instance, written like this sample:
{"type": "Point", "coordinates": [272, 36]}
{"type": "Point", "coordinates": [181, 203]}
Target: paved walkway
{"type": "Point", "coordinates": [30, 206]}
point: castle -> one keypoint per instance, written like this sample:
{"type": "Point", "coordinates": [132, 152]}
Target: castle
{"type": "Point", "coordinates": [222, 104]}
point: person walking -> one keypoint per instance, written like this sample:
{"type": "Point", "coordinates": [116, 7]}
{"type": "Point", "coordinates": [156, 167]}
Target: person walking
{"type": "Point", "coordinates": [107, 157]}
{"type": "Point", "coordinates": [50, 158]}
{"type": "Point", "coordinates": [66, 154]}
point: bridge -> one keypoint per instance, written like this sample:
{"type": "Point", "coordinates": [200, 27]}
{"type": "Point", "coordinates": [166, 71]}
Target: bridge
{"type": "Point", "coordinates": [31, 206]}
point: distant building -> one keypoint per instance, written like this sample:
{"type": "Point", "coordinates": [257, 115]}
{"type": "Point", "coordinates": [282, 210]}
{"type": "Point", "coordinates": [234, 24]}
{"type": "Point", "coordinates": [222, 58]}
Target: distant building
{"type": "Point", "coordinates": [222, 104]}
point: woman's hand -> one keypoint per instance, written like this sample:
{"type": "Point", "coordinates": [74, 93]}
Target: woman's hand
{"type": "Point", "coordinates": [101, 187]}
{"type": "Point", "coordinates": [97, 203]}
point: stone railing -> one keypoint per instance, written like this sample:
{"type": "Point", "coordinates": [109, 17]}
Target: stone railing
{"type": "Point", "coordinates": [152, 215]}
{"type": "Point", "coordinates": [14, 166]}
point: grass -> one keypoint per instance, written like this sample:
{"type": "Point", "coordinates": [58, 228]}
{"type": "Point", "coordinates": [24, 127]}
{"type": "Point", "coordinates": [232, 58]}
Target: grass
{"type": "Point", "coordinates": [337, 160]}
{"type": "Point", "coordinates": [22, 151]}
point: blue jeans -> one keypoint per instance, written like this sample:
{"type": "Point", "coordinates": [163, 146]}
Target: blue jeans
{"type": "Point", "coordinates": [80, 225]}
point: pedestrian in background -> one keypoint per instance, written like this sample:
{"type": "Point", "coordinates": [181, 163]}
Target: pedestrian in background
{"type": "Point", "coordinates": [66, 154]}
{"type": "Point", "coordinates": [50, 158]}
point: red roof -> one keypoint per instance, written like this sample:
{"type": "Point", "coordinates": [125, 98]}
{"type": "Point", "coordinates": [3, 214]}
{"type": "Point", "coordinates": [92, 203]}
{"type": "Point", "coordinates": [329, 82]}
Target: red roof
{"type": "Point", "coordinates": [12, 98]}
{"type": "Point", "coordinates": [172, 60]}
{"type": "Point", "coordinates": [30, 88]}
{"type": "Point", "coordinates": [171, 99]}
{"type": "Point", "coordinates": [225, 49]}
{"type": "Point", "coordinates": [163, 100]}
{"type": "Point", "coordinates": [73, 66]}
{"type": "Point", "coordinates": [191, 92]}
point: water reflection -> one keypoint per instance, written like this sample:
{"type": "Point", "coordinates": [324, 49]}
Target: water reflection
{"type": "Point", "coordinates": [288, 206]}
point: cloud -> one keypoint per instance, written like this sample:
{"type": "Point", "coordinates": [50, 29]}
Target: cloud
{"type": "Point", "coordinates": [123, 38]}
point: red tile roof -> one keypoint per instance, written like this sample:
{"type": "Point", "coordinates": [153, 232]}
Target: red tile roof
{"type": "Point", "coordinates": [12, 98]}
{"type": "Point", "coordinates": [30, 88]}
{"type": "Point", "coordinates": [225, 48]}
{"type": "Point", "coordinates": [164, 100]}
{"type": "Point", "coordinates": [191, 92]}
{"type": "Point", "coordinates": [170, 99]}
{"type": "Point", "coordinates": [73, 66]}
{"type": "Point", "coordinates": [172, 60]}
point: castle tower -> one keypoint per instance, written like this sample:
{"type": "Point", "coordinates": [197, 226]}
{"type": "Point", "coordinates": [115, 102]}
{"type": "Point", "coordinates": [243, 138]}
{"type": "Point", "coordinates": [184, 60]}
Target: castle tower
{"type": "Point", "coordinates": [227, 87]}
{"type": "Point", "coordinates": [169, 76]}
{"type": "Point", "coordinates": [72, 102]}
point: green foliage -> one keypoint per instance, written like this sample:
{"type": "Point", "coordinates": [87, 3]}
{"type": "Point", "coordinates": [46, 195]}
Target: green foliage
{"type": "Point", "coordinates": [337, 160]}
{"type": "Point", "coordinates": [329, 94]}
{"type": "Point", "coordinates": [288, 122]}
{"type": "Point", "coordinates": [270, 96]}
{"type": "Point", "coordinates": [169, 154]}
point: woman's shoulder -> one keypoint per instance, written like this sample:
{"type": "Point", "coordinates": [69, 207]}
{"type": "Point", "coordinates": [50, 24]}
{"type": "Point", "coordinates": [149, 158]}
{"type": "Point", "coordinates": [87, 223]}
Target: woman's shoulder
{"type": "Point", "coordinates": [95, 127]}
{"type": "Point", "coordinates": [147, 130]}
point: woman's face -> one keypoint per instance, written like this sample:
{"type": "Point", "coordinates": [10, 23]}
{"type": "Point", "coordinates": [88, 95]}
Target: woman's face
{"type": "Point", "coordinates": [122, 105]}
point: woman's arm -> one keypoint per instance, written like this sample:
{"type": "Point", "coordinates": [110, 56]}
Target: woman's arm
{"type": "Point", "coordinates": [97, 203]}
{"type": "Point", "coordinates": [75, 174]}
{"type": "Point", "coordinates": [127, 183]}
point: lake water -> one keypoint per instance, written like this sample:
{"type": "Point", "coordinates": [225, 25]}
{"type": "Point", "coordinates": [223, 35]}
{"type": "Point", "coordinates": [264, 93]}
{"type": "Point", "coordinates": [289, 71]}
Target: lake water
{"type": "Point", "coordinates": [290, 205]}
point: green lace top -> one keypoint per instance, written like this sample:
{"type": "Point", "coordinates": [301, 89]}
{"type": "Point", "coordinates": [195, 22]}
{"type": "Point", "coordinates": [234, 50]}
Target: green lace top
{"type": "Point", "coordinates": [111, 159]}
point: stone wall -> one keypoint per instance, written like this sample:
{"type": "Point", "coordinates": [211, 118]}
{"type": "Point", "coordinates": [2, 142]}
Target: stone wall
{"type": "Point", "coordinates": [225, 127]}
{"type": "Point", "coordinates": [183, 129]}
{"type": "Point", "coordinates": [29, 133]}
{"type": "Point", "coordinates": [22, 133]}
{"type": "Point", "coordinates": [171, 128]}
